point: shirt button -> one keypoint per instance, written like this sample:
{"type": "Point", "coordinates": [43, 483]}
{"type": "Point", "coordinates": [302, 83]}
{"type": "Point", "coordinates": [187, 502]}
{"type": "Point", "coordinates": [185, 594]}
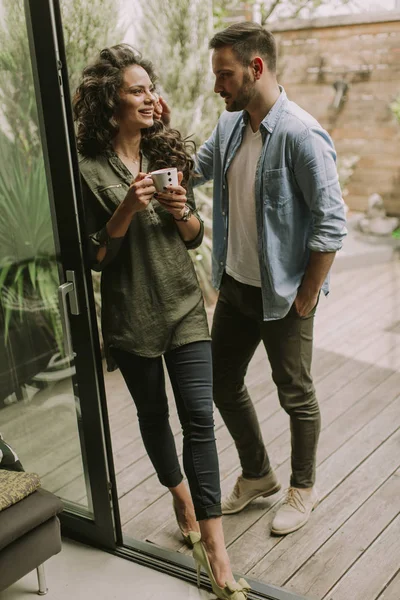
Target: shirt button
{"type": "Point", "coordinates": [223, 213]}
{"type": "Point", "coordinates": [224, 187]}
{"type": "Point", "coordinates": [221, 263]}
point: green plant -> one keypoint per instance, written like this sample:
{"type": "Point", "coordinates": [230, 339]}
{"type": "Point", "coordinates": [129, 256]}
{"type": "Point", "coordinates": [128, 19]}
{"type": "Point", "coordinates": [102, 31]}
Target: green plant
{"type": "Point", "coordinates": [174, 35]}
{"type": "Point", "coordinates": [28, 264]}
{"type": "Point", "coordinates": [88, 26]}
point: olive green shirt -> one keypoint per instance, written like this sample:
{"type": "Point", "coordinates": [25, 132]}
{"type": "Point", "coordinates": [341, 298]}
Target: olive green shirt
{"type": "Point", "coordinates": [151, 299]}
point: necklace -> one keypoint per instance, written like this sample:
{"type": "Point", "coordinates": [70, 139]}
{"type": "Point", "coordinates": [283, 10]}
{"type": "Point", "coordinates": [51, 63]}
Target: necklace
{"type": "Point", "coordinates": [135, 161]}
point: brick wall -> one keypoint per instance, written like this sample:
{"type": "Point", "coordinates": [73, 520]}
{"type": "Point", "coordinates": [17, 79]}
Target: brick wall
{"type": "Point", "coordinates": [365, 56]}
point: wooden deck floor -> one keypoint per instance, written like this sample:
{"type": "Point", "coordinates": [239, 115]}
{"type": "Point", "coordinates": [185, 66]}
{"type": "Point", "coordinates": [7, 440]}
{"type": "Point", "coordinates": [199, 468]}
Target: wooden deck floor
{"type": "Point", "coordinates": [350, 549]}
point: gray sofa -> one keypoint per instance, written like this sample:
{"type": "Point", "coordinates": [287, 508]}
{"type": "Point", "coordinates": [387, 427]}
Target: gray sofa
{"type": "Point", "coordinates": [29, 535]}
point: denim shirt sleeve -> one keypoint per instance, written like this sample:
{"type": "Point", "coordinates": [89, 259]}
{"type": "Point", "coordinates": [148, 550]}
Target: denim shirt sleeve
{"type": "Point", "coordinates": [204, 161]}
{"type": "Point", "coordinates": [316, 175]}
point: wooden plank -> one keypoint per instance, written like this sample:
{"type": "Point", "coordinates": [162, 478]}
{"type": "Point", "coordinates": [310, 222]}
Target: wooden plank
{"type": "Point", "coordinates": [327, 446]}
{"type": "Point", "coordinates": [61, 430]}
{"type": "Point", "coordinates": [47, 463]}
{"type": "Point", "coordinates": [348, 338]}
{"type": "Point", "coordinates": [40, 419]}
{"type": "Point", "coordinates": [361, 321]}
{"type": "Point", "coordinates": [276, 559]}
{"type": "Point", "coordinates": [63, 474]}
{"type": "Point", "coordinates": [343, 487]}
{"type": "Point", "coordinates": [369, 576]}
{"type": "Point", "coordinates": [341, 299]}
{"type": "Point", "coordinates": [75, 491]}
{"type": "Point", "coordinates": [343, 418]}
{"type": "Point", "coordinates": [331, 562]}
{"type": "Point", "coordinates": [49, 397]}
{"type": "Point", "coordinates": [338, 378]}
{"type": "Point", "coordinates": [392, 591]}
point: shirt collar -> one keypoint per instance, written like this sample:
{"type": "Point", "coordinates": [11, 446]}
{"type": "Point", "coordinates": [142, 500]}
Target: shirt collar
{"type": "Point", "coordinates": [121, 169]}
{"type": "Point", "coordinates": [271, 119]}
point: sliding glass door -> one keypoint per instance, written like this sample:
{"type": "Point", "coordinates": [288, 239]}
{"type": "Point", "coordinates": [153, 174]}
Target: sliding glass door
{"type": "Point", "coordinates": [51, 389]}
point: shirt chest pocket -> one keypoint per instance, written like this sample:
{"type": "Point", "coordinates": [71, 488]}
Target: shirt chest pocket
{"type": "Point", "coordinates": [278, 190]}
{"type": "Point", "coordinates": [112, 195]}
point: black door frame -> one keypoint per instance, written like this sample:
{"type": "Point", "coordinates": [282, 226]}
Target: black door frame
{"type": "Point", "coordinates": [58, 139]}
{"type": "Point", "coordinates": [62, 173]}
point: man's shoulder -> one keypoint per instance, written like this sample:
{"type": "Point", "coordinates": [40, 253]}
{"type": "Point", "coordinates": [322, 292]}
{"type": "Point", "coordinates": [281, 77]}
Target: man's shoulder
{"type": "Point", "coordinates": [229, 120]}
{"type": "Point", "coordinates": [296, 121]}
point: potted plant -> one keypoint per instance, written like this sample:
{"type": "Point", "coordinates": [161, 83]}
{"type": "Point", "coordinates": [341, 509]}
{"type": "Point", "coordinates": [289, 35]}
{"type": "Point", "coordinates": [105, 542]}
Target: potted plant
{"type": "Point", "coordinates": [30, 327]}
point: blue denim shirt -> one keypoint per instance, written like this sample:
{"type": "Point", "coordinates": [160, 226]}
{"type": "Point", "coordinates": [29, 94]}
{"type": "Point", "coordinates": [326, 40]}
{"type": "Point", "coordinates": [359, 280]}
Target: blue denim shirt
{"type": "Point", "coordinates": [299, 205]}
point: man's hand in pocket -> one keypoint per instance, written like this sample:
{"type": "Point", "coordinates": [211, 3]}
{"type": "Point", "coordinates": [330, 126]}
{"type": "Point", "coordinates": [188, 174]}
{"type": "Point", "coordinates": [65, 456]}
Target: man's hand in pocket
{"type": "Point", "coordinates": [305, 300]}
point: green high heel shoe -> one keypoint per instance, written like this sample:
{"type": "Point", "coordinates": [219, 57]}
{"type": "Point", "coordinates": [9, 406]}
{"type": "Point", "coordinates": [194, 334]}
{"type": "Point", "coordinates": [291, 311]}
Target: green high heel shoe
{"type": "Point", "coordinates": [235, 591]}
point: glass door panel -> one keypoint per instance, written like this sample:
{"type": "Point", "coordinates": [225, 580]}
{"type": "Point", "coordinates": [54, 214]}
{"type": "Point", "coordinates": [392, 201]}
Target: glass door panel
{"type": "Point", "coordinates": [51, 390]}
{"type": "Point", "coordinates": [38, 408]}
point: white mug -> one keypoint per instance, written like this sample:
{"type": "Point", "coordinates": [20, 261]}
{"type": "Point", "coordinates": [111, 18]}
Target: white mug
{"type": "Point", "coordinates": [164, 178]}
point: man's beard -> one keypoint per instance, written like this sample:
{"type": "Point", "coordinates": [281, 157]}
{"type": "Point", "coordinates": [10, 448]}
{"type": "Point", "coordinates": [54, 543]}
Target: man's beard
{"type": "Point", "coordinates": [244, 95]}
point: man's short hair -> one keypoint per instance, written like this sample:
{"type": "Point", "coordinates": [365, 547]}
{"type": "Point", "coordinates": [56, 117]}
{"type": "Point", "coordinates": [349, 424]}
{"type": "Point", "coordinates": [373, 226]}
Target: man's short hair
{"type": "Point", "coordinates": [247, 39]}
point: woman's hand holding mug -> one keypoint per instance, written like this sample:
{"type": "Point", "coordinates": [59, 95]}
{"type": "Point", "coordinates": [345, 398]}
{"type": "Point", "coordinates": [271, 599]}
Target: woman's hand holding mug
{"type": "Point", "coordinates": [173, 198]}
{"type": "Point", "coordinates": [140, 193]}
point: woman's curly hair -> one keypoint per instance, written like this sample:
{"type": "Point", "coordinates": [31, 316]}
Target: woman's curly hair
{"type": "Point", "coordinates": [96, 104]}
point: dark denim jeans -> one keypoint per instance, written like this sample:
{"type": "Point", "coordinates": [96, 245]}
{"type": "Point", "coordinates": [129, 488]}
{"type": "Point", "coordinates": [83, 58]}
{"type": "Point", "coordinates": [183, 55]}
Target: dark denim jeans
{"type": "Point", "coordinates": [190, 371]}
{"type": "Point", "coordinates": [238, 328]}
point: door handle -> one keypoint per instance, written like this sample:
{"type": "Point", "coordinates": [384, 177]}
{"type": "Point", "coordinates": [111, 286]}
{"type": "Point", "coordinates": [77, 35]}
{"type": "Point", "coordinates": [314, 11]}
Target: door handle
{"type": "Point", "coordinates": [68, 290]}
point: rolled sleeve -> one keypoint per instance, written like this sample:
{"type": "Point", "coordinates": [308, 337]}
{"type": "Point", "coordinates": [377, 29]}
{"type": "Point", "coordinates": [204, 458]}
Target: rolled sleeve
{"type": "Point", "coordinates": [101, 239]}
{"type": "Point", "coordinates": [317, 177]}
{"type": "Point", "coordinates": [195, 243]}
{"type": "Point", "coordinates": [97, 235]}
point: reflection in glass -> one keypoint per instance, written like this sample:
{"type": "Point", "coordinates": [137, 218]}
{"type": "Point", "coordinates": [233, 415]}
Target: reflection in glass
{"type": "Point", "coordinates": [37, 393]}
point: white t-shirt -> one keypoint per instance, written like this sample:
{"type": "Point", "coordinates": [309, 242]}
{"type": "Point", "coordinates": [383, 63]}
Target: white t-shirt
{"type": "Point", "coordinates": [242, 261]}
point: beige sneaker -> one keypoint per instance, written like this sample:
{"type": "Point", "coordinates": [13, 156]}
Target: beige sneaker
{"type": "Point", "coordinates": [295, 510]}
{"type": "Point", "coordinates": [246, 490]}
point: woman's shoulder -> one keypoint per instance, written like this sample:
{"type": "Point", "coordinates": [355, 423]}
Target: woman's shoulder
{"type": "Point", "coordinates": [96, 170]}
{"type": "Point", "coordinates": [87, 164]}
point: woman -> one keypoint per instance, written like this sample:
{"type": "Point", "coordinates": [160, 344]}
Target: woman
{"type": "Point", "coordinates": [152, 306]}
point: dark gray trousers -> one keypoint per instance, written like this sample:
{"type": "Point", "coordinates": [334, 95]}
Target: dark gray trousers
{"type": "Point", "coordinates": [238, 328]}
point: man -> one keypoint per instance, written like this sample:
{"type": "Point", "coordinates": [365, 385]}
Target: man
{"type": "Point", "coordinates": [278, 220]}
